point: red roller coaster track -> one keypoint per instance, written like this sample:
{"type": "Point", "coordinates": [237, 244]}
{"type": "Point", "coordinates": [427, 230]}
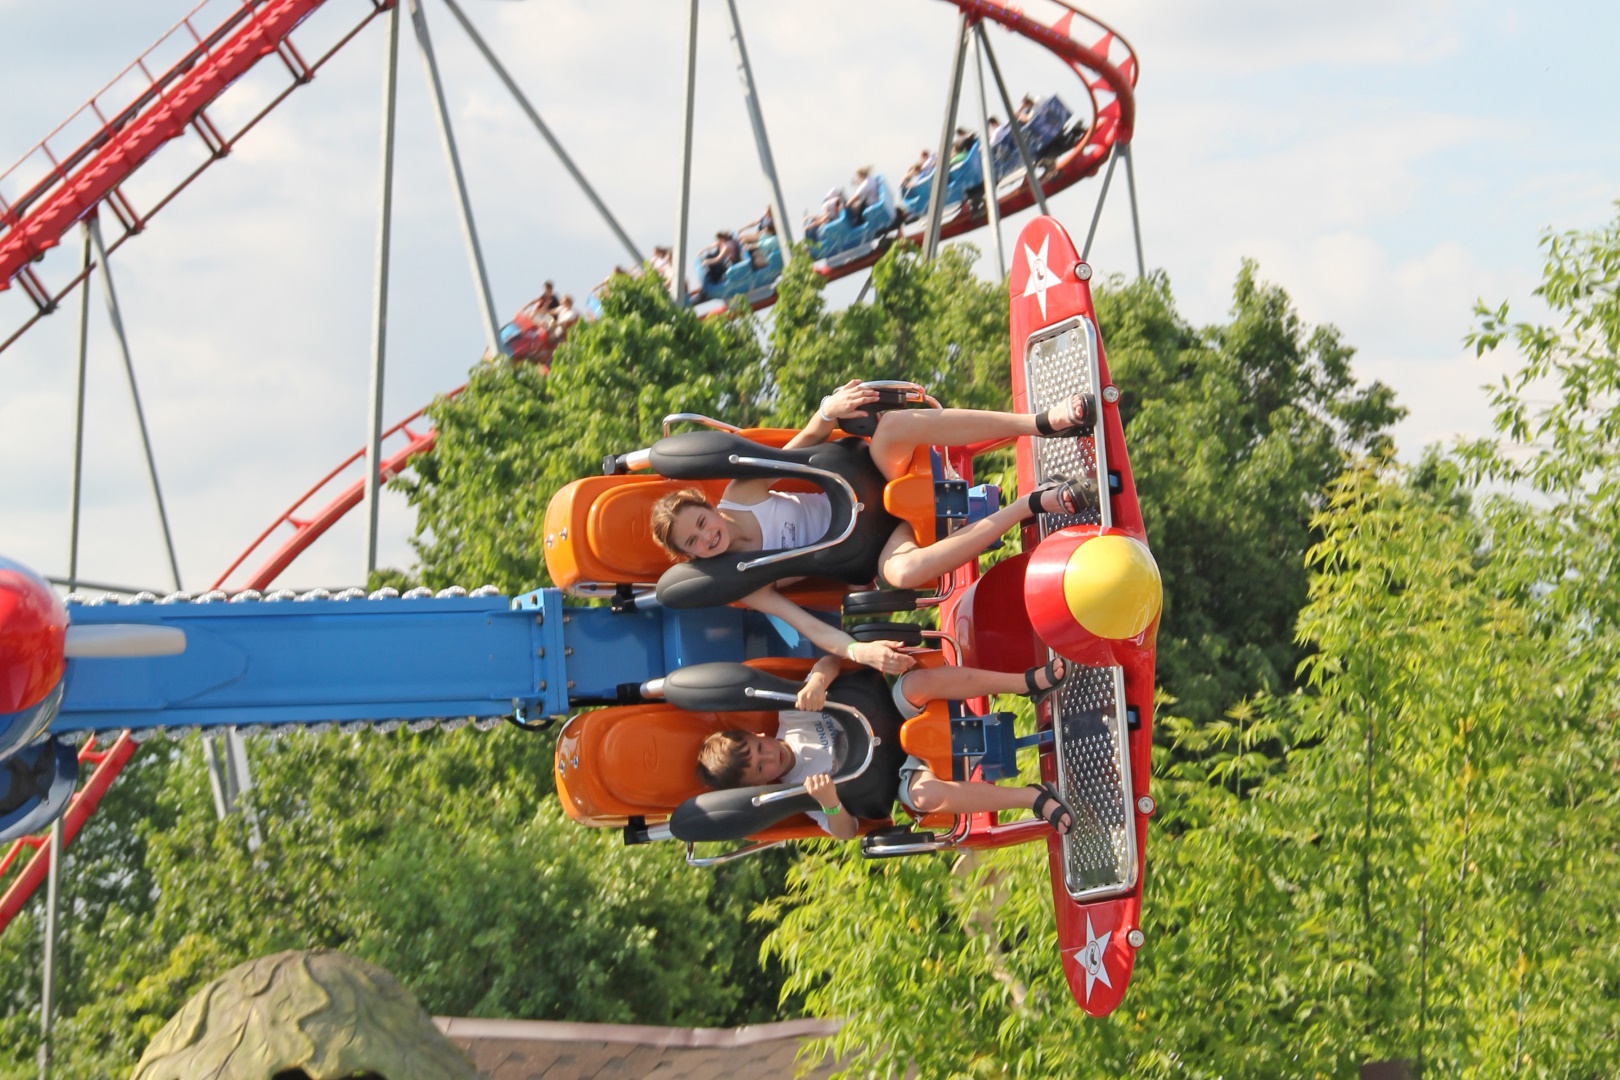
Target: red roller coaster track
{"type": "Point", "coordinates": [64, 185]}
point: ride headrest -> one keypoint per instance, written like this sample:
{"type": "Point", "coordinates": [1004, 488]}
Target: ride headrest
{"type": "Point", "coordinates": [724, 687]}
{"type": "Point", "coordinates": [731, 815]}
{"type": "Point", "coordinates": [721, 579]}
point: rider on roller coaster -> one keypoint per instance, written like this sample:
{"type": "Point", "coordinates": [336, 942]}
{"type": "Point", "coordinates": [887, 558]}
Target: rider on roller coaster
{"type": "Point", "coordinates": [751, 517]}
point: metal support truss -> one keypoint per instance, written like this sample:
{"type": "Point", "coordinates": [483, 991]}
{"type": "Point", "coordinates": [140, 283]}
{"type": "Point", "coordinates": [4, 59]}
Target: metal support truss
{"type": "Point", "coordinates": [942, 160]}
{"type": "Point", "coordinates": [762, 142]}
{"type": "Point", "coordinates": [992, 208]}
{"type": "Point", "coordinates": [134, 392]}
{"type": "Point", "coordinates": [678, 284]}
{"type": "Point", "coordinates": [469, 231]}
{"type": "Point", "coordinates": [545, 132]}
{"type": "Point", "coordinates": [1012, 118]}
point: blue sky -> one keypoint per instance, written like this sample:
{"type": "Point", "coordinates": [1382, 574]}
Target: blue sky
{"type": "Point", "coordinates": [1386, 162]}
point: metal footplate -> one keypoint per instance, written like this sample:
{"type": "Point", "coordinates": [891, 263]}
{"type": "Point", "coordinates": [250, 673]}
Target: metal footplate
{"type": "Point", "coordinates": [1058, 361]}
{"type": "Point", "coordinates": [1094, 775]}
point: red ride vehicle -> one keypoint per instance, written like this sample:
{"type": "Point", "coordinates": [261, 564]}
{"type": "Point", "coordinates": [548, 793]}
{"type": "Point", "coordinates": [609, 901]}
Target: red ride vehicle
{"type": "Point", "coordinates": [1084, 588]}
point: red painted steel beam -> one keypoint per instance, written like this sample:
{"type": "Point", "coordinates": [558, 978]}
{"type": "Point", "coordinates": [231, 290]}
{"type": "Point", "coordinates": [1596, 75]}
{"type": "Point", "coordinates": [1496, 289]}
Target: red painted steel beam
{"type": "Point", "coordinates": [30, 233]}
{"type": "Point", "coordinates": [108, 764]}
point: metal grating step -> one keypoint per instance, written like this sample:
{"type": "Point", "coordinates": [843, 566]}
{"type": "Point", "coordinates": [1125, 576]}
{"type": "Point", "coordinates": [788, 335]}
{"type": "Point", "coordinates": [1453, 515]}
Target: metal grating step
{"type": "Point", "coordinates": [1094, 775]}
{"type": "Point", "coordinates": [1058, 361]}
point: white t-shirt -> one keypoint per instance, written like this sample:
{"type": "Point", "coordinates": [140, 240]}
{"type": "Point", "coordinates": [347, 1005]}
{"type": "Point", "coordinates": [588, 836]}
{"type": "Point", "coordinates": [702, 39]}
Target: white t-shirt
{"type": "Point", "coordinates": [867, 193]}
{"type": "Point", "coordinates": [819, 746]}
{"type": "Point", "coordinates": [787, 520]}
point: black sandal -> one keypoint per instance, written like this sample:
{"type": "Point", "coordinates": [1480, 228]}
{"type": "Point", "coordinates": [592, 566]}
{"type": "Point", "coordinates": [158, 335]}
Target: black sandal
{"type": "Point", "coordinates": [1050, 806]}
{"type": "Point", "coordinates": [1038, 694]}
{"type": "Point", "coordinates": [1074, 497]}
{"type": "Point", "coordinates": [1084, 420]}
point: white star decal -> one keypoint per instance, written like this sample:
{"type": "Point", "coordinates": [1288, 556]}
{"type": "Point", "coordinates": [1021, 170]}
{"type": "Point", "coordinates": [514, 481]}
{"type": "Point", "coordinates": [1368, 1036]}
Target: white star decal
{"type": "Point", "coordinates": [1040, 278]}
{"type": "Point", "coordinates": [1091, 958]}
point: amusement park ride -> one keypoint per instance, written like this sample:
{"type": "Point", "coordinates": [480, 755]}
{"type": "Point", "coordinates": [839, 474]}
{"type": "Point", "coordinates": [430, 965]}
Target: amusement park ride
{"type": "Point", "coordinates": [670, 658]}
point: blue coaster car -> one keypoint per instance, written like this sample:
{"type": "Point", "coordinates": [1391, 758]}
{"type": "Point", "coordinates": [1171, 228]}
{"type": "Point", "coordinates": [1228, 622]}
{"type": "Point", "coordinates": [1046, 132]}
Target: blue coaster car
{"type": "Point", "coordinates": [742, 277]}
{"type": "Point", "coordinates": [965, 175]}
{"type": "Point", "coordinates": [848, 238]}
{"type": "Point", "coordinates": [1044, 130]}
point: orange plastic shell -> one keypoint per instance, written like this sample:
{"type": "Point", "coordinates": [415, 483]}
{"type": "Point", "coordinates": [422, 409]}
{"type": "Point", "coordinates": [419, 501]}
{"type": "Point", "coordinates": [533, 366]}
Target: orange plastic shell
{"type": "Point", "coordinates": [928, 736]}
{"type": "Point", "coordinates": [640, 760]}
{"type": "Point", "coordinates": [911, 497]}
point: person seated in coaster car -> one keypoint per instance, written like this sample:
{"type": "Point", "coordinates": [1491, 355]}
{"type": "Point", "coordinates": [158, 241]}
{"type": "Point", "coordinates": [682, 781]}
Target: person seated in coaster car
{"type": "Point", "coordinates": [750, 517]}
{"type": "Point", "coordinates": [717, 259]}
{"type": "Point", "coordinates": [866, 194]}
{"type": "Point", "coordinates": [806, 749]}
{"type": "Point", "coordinates": [923, 164]}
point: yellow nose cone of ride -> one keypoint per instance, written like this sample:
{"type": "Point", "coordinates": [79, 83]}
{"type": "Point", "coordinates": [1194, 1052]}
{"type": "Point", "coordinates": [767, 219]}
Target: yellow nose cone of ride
{"type": "Point", "coordinates": [1112, 587]}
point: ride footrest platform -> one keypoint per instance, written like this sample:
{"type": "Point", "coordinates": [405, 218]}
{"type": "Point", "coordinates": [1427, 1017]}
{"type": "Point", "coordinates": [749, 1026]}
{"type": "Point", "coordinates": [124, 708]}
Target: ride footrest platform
{"type": "Point", "coordinates": [1089, 728]}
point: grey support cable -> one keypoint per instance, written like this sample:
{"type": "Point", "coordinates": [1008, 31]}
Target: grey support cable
{"type": "Point", "coordinates": [545, 132]}
{"type": "Point", "coordinates": [942, 160]}
{"type": "Point", "coordinates": [78, 416]}
{"type": "Point", "coordinates": [1012, 118]}
{"type": "Point", "coordinates": [1136, 224]}
{"type": "Point", "coordinates": [1096, 215]}
{"type": "Point", "coordinates": [745, 73]}
{"type": "Point", "coordinates": [379, 324]}
{"type": "Point", "coordinates": [678, 282]}
{"type": "Point", "coordinates": [992, 208]}
{"type": "Point", "coordinates": [447, 137]}
{"type": "Point", "coordinates": [134, 392]}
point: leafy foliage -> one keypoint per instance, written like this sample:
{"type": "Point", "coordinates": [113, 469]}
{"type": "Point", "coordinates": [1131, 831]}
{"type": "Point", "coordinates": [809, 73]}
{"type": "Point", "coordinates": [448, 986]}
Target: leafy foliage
{"type": "Point", "coordinates": [1235, 431]}
{"type": "Point", "coordinates": [1427, 871]}
{"type": "Point", "coordinates": [1392, 835]}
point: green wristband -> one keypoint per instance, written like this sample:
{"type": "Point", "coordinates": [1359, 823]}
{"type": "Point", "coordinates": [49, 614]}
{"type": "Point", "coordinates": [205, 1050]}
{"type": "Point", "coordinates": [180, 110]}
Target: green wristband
{"type": "Point", "coordinates": [831, 811]}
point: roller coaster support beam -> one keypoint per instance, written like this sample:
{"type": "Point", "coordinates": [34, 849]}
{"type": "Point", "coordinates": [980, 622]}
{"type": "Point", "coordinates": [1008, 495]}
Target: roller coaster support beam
{"type": "Point", "coordinates": [745, 73]}
{"type": "Point", "coordinates": [1121, 150]}
{"type": "Point", "coordinates": [1012, 118]}
{"type": "Point", "coordinates": [53, 907]}
{"type": "Point", "coordinates": [379, 318]}
{"type": "Point", "coordinates": [469, 231]}
{"type": "Point", "coordinates": [992, 206]}
{"type": "Point", "coordinates": [678, 284]}
{"type": "Point", "coordinates": [78, 416]}
{"type": "Point", "coordinates": [1124, 151]}
{"type": "Point", "coordinates": [545, 132]}
{"type": "Point", "coordinates": [942, 160]}
{"type": "Point", "coordinates": [1102, 195]}
{"type": "Point", "coordinates": [134, 393]}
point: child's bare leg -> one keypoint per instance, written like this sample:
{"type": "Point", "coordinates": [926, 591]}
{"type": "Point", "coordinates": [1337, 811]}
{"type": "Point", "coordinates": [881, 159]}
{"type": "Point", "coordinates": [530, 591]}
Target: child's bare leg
{"type": "Point", "coordinates": [931, 795]}
{"type": "Point", "coordinates": [901, 431]}
{"type": "Point", "coordinates": [907, 565]}
{"type": "Point", "coordinates": [922, 685]}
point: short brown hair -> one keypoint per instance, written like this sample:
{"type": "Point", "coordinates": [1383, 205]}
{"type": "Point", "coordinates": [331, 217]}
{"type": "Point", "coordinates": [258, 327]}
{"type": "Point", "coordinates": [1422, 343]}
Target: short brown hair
{"type": "Point", "coordinates": [723, 758]}
{"type": "Point", "coordinates": [664, 511]}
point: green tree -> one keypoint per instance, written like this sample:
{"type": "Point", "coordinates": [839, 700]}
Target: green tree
{"type": "Point", "coordinates": [1428, 871]}
{"type": "Point", "coordinates": [513, 436]}
{"type": "Point", "coordinates": [441, 857]}
{"type": "Point", "coordinates": [1235, 431]}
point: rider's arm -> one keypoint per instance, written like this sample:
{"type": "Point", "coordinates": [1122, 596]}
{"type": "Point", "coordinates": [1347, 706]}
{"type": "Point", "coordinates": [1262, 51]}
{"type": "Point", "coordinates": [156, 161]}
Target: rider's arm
{"type": "Point", "coordinates": [813, 694]}
{"type": "Point", "coordinates": [881, 655]}
{"type": "Point", "coordinates": [840, 822]}
{"type": "Point", "coordinates": [848, 400]}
